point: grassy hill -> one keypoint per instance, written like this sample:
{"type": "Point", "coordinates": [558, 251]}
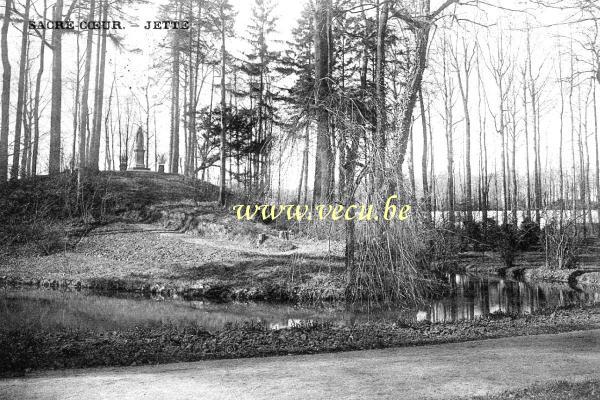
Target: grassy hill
{"type": "Point", "coordinates": [104, 193]}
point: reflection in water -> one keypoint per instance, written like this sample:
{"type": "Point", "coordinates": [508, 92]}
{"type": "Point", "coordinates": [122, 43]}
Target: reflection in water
{"type": "Point", "coordinates": [470, 297]}
{"type": "Point", "coordinates": [473, 297]}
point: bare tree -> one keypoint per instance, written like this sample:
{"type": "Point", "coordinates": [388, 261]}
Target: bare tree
{"type": "Point", "coordinates": [94, 151]}
{"type": "Point", "coordinates": [20, 92]}
{"type": "Point", "coordinates": [463, 84]}
{"type": "Point", "coordinates": [421, 27]}
{"type": "Point", "coordinates": [56, 106]}
{"type": "Point", "coordinates": [4, 122]}
{"type": "Point", "coordinates": [500, 68]}
{"type": "Point", "coordinates": [83, 126]}
{"type": "Point", "coordinates": [536, 134]}
{"type": "Point", "coordinates": [36, 106]}
{"type": "Point", "coordinates": [448, 89]}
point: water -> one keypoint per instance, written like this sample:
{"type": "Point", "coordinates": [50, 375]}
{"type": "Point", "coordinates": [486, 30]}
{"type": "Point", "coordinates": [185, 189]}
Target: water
{"type": "Point", "coordinates": [469, 297]}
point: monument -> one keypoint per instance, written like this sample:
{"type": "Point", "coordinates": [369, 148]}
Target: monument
{"type": "Point", "coordinates": [140, 160]}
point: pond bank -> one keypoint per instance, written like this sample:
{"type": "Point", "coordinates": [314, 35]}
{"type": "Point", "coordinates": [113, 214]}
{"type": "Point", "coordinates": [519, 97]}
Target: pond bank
{"type": "Point", "coordinates": [25, 350]}
{"type": "Point", "coordinates": [530, 266]}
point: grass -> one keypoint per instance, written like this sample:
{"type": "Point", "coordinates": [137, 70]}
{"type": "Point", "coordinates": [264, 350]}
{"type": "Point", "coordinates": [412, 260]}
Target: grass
{"type": "Point", "coordinates": [561, 390]}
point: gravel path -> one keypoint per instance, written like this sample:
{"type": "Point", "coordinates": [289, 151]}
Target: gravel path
{"type": "Point", "coordinates": [426, 372]}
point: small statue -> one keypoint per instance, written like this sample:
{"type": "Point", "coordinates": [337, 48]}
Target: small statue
{"type": "Point", "coordinates": [140, 162]}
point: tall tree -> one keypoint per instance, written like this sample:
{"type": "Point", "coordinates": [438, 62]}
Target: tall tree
{"type": "Point", "coordinates": [225, 18]}
{"type": "Point", "coordinates": [501, 67]}
{"type": "Point", "coordinates": [424, 171]}
{"type": "Point", "coordinates": [175, 110]}
{"type": "Point", "coordinates": [24, 167]}
{"type": "Point", "coordinates": [420, 25]}
{"type": "Point", "coordinates": [259, 68]}
{"type": "Point", "coordinates": [21, 92]}
{"type": "Point", "coordinates": [94, 153]}
{"type": "Point", "coordinates": [526, 128]}
{"type": "Point", "coordinates": [448, 97]}
{"type": "Point", "coordinates": [4, 122]}
{"type": "Point", "coordinates": [84, 124]}
{"type": "Point", "coordinates": [56, 105]}
{"type": "Point", "coordinates": [597, 175]}
{"type": "Point", "coordinates": [536, 142]}
{"type": "Point", "coordinates": [322, 28]}
{"type": "Point", "coordinates": [463, 85]}
{"type": "Point", "coordinates": [36, 104]}
{"type": "Point", "coordinates": [380, 104]}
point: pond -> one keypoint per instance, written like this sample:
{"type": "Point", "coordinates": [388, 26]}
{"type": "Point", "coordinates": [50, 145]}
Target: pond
{"type": "Point", "coordinates": [469, 297]}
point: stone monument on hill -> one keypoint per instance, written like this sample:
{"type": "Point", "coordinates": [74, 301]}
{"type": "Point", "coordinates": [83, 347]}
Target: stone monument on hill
{"type": "Point", "coordinates": [140, 163]}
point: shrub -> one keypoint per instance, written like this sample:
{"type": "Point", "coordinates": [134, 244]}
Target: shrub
{"type": "Point", "coordinates": [508, 244]}
{"type": "Point", "coordinates": [529, 234]}
{"type": "Point", "coordinates": [561, 245]}
{"type": "Point", "coordinates": [393, 262]}
{"type": "Point", "coordinates": [473, 231]}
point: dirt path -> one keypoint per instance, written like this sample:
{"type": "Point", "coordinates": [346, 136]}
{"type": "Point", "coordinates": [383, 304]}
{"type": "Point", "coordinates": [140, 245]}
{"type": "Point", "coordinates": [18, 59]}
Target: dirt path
{"type": "Point", "coordinates": [441, 371]}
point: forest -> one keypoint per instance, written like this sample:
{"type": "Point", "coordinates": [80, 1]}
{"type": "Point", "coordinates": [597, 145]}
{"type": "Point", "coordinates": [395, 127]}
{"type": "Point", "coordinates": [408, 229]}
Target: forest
{"type": "Point", "coordinates": [481, 116]}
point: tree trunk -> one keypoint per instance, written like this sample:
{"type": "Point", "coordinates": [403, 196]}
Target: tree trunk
{"type": "Point", "coordinates": [580, 154]}
{"type": "Point", "coordinates": [4, 122]}
{"type": "Point", "coordinates": [26, 150]}
{"type": "Point", "coordinates": [56, 105]}
{"type": "Point", "coordinates": [526, 127]}
{"type": "Point", "coordinates": [76, 104]}
{"type": "Point", "coordinates": [415, 78]}
{"type": "Point", "coordinates": [83, 126]}
{"type": "Point", "coordinates": [321, 191]}
{"type": "Point", "coordinates": [36, 105]}
{"type": "Point", "coordinates": [379, 163]}
{"type": "Point", "coordinates": [411, 167]}
{"type": "Point", "coordinates": [223, 141]}
{"type": "Point", "coordinates": [94, 157]}
{"type": "Point", "coordinates": [14, 174]}
{"type": "Point", "coordinates": [482, 116]}
{"type": "Point", "coordinates": [174, 139]}
{"type": "Point", "coordinates": [597, 158]}
{"type": "Point", "coordinates": [463, 85]}
{"type": "Point", "coordinates": [304, 161]}
{"type": "Point", "coordinates": [449, 127]}
{"type": "Point", "coordinates": [534, 111]}
{"type": "Point", "coordinates": [515, 203]}
{"type": "Point", "coordinates": [424, 171]}
{"type": "Point", "coordinates": [109, 155]}
{"type": "Point", "coordinates": [572, 126]}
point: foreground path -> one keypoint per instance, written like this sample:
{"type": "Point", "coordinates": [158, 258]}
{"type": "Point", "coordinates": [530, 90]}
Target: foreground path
{"type": "Point", "coordinates": [437, 371]}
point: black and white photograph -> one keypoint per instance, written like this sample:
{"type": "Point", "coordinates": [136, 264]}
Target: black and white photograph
{"type": "Point", "coordinates": [300, 199]}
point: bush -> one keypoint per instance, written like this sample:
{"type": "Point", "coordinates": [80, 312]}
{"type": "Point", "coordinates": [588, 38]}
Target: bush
{"type": "Point", "coordinates": [39, 210]}
{"type": "Point", "coordinates": [508, 244]}
{"type": "Point", "coordinates": [561, 245]}
{"type": "Point", "coordinates": [529, 234]}
{"type": "Point", "coordinates": [506, 240]}
{"type": "Point", "coordinates": [394, 262]}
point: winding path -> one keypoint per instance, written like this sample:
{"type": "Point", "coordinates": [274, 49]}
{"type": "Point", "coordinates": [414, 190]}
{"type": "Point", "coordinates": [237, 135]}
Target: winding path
{"type": "Point", "coordinates": [439, 371]}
